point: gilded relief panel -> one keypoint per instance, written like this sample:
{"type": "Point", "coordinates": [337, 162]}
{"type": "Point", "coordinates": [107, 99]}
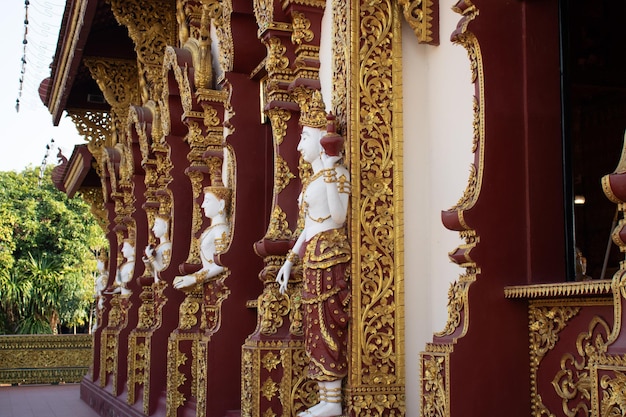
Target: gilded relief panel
{"type": "Point", "coordinates": [375, 138]}
{"type": "Point", "coordinates": [567, 337]}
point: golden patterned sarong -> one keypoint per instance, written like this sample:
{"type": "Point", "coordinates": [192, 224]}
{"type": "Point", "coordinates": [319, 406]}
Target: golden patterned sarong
{"type": "Point", "coordinates": [325, 298]}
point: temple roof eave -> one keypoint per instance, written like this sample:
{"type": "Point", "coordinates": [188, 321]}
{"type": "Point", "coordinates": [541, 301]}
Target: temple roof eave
{"type": "Point", "coordinates": [73, 33]}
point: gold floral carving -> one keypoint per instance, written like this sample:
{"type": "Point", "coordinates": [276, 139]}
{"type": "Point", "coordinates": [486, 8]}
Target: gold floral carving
{"type": "Point", "coordinates": [295, 309]}
{"type": "Point", "coordinates": [175, 378]}
{"type": "Point", "coordinates": [273, 308]}
{"type": "Point", "coordinates": [282, 175]}
{"type": "Point", "coordinates": [279, 227]}
{"type": "Point", "coordinates": [270, 361]}
{"type": "Point", "coordinates": [278, 118]}
{"type": "Point", "coordinates": [458, 305]}
{"type": "Point", "coordinates": [341, 53]}
{"type": "Point", "coordinates": [379, 400]}
{"type": "Point", "coordinates": [276, 60]}
{"type": "Point", "coordinates": [613, 389]}
{"type": "Point", "coordinates": [138, 363]}
{"type": "Point", "coordinates": [435, 386]}
{"type": "Point", "coordinates": [301, 391]}
{"type": "Point", "coordinates": [151, 26]}
{"type": "Point", "coordinates": [545, 324]}
{"type": "Point", "coordinates": [377, 373]}
{"type": "Point", "coordinates": [202, 375]}
{"type": "Point", "coordinates": [118, 81]}
{"type": "Point", "coordinates": [264, 13]}
{"type": "Point", "coordinates": [188, 310]}
{"type": "Point", "coordinates": [223, 31]}
{"type": "Point", "coordinates": [419, 15]}
{"type": "Point", "coordinates": [181, 75]}
{"type": "Point", "coordinates": [93, 126]}
{"type": "Point", "coordinates": [269, 389]}
{"type": "Point", "coordinates": [457, 302]}
{"type": "Point", "coordinates": [573, 382]}
{"type": "Point", "coordinates": [301, 28]}
{"type": "Point", "coordinates": [250, 366]}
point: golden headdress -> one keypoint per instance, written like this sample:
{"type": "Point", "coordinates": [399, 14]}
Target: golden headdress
{"type": "Point", "coordinates": [219, 191]}
{"type": "Point", "coordinates": [313, 112]}
{"type": "Point", "coordinates": [103, 255]}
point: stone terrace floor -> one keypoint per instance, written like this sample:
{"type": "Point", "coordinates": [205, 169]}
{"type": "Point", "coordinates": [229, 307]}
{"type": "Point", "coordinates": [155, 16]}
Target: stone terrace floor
{"type": "Point", "coordinates": [61, 400]}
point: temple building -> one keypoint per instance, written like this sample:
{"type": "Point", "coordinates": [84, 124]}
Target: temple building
{"type": "Point", "coordinates": [477, 268]}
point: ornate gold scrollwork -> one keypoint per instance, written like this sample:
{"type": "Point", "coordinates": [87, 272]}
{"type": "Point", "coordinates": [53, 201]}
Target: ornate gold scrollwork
{"type": "Point", "coordinates": [613, 389]}
{"type": "Point", "coordinates": [375, 151]}
{"type": "Point", "coordinates": [118, 81]}
{"type": "Point", "coordinates": [188, 310]}
{"type": "Point", "coordinates": [276, 59]}
{"type": "Point", "coordinates": [283, 175]}
{"type": "Point", "coordinates": [573, 382]}
{"type": "Point", "coordinates": [341, 54]}
{"type": "Point", "coordinates": [264, 13]}
{"type": "Point", "coordinates": [273, 308]}
{"type": "Point", "coordinates": [175, 378]}
{"type": "Point", "coordinates": [151, 26]}
{"type": "Point", "coordinates": [279, 226]}
{"type": "Point", "coordinates": [301, 28]}
{"type": "Point", "coordinates": [433, 381]}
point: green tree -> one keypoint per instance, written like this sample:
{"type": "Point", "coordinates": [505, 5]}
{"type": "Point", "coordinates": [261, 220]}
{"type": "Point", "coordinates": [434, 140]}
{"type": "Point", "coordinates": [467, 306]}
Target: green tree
{"type": "Point", "coordinates": [47, 243]}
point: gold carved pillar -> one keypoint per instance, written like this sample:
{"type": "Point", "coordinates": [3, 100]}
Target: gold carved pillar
{"type": "Point", "coordinates": [145, 130]}
{"type": "Point", "coordinates": [274, 381]}
{"type": "Point", "coordinates": [188, 358]}
{"type": "Point", "coordinates": [376, 378]}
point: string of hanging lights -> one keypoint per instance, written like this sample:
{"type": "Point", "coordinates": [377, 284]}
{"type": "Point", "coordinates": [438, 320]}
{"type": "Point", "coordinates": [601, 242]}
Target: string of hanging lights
{"type": "Point", "coordinates": [41, 25]}
{"type": "Point", "coordinates": [23, 69]}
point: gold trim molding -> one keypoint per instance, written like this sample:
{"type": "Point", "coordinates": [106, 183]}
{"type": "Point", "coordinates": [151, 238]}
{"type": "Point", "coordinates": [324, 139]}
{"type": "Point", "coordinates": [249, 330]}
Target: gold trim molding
{"type": "Point", "coordinates": [44, 359]}
{"type": "Point", "coordinates": [563, 289]}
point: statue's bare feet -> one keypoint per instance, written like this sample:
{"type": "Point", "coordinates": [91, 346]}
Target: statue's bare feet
{"type": "Point", "coordinates": [328, 410]}
{"type": "Point", "coordinates": [310, 412]}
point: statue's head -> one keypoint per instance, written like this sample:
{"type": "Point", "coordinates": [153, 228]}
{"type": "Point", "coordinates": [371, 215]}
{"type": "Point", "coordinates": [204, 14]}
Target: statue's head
{"type": "Point", "coordinates": [161, 226]}
{"type": "Point", "coordinates": [128, 249]}
{"type": "Point", "coordinates": [309, 145]}
{"type": "Point", "coordinates": [216, 201]}
{"type": "Point", "coordinates": [103, 258]}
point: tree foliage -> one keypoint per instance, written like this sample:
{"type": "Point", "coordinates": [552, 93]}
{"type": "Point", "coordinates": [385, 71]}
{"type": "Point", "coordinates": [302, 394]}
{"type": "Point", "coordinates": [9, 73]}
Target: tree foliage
{"type": "Point", "coordinates": [47, 243]}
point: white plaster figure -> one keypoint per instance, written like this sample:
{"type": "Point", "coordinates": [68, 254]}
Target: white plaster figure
{"type": "Point", "coordinates": [126, 269]}
{"type": "Point", "coordinates": [213, 240]}
{"type": "Point", "coordinates": [325, 253]}
{"type": "Point", "coordinates": [99, 285]}
{"type": "Point", "coordinates": [157, 258]}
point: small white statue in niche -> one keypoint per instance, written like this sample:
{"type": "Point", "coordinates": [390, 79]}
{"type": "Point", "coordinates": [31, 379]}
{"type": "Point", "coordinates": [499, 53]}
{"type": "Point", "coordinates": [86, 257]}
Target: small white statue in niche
{"type": "Point", "coordinates": [213, 240]}
{"type": "Point", "coordinates": [157, 258]}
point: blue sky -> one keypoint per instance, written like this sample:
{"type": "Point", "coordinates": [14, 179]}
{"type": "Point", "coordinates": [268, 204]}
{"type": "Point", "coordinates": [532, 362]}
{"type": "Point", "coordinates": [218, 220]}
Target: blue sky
{"type": "Point", "coordinates": [25, 134]}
